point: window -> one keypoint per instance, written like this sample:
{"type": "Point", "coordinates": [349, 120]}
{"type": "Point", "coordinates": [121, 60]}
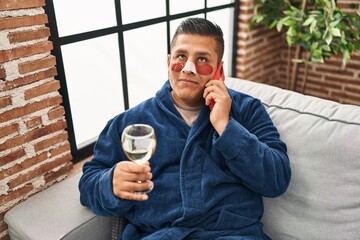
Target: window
{"type": "Point", "coordinates": [100, 46]}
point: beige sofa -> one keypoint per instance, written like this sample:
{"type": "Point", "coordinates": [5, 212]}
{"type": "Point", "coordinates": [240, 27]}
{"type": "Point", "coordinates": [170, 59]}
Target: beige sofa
{"type": "Point", "coordinates": [322, 201]}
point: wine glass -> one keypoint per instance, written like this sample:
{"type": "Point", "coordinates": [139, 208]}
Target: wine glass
{"type": "Point", "coordinates": [139, 142]}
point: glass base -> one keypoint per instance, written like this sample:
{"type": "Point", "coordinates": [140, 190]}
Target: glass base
{"type": "Point", "coordinates": [144, 191]}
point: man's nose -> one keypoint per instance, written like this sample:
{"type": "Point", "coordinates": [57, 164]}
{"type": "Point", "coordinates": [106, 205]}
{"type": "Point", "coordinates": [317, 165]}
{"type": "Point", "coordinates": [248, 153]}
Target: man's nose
{"type": "Point", "coordinates": [189, 68]}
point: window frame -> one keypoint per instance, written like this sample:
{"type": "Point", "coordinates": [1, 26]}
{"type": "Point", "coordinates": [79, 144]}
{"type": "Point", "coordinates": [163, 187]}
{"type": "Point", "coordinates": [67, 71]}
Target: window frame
{"type": "Point", "coordinates": [86, 151]}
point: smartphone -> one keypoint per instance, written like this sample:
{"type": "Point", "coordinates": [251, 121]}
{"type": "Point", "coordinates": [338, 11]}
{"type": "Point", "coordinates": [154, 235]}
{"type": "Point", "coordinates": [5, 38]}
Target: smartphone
{"type": "Point", "coordinates": [218, 74]}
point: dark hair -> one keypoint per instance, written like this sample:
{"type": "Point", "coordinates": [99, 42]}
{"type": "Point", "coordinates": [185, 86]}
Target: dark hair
{"type": "Point", "coordinates": [203, 27]}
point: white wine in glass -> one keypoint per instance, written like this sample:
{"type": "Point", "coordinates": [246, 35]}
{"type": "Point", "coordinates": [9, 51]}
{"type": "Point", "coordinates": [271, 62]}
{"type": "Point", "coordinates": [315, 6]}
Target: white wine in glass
{"type": "Point", "coordinates": [139, 143]}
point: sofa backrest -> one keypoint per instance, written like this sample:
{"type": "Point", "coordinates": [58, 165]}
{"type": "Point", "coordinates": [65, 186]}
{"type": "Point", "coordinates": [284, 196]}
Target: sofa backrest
{"type": "Point", "coordinates": [323, 140]}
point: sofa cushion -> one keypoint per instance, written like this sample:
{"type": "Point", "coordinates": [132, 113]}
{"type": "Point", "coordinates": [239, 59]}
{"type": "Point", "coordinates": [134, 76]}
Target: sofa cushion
{"type": "Point", "coordinates": [323, 140]}
{"type": "Point", "coordinates": [56, 213]}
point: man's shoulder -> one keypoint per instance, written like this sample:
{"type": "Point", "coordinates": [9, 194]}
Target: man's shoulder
{"type": "Point", "coordinates": [243, 99]}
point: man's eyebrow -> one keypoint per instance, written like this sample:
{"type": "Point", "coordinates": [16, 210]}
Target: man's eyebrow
{"type": "Point", "coordinates": [181, 51]}
{"type": "Point", "coordinates": [199, 53]}
{"type": "Point", "coordinates": [202, 53]}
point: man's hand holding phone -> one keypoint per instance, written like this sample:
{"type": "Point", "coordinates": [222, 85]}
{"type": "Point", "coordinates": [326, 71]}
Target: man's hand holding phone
{"type": "Point", "coordinates": [217, 97]}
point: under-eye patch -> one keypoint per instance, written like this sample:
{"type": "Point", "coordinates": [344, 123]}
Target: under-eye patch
{"type": "Point", "coordinates": [202, 69]}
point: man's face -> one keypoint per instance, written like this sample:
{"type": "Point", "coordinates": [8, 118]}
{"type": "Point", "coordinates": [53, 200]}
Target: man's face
{"type": "Point", "coordinates": [191, 64]}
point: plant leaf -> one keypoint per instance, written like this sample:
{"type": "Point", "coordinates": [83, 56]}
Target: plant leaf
{"type": "Point", "coordinates": [346, 56]}
{"type": "Point", "coordinates": [273, 24]}
{"type": "Point", "coordinates": [314, 45]}
{"type": "Point", "coordinates": [279, 25]}
{"type": "Point", "coordinates": [308, 21]}
{"type": "Point", "coordinates": [333, 4]}
{"type": "Point", "coordinates": [335, 32]}
{"type": "Point", "coordinates": [326, 47]}
{"type": "Point", "coordinates": [313, 26]}
{"type": "Point", "coordinates": [315, 12]}
{"type": "Point", "coordinates": [328, 38]}
{"type": "Point", "coordinates": [336, 22]}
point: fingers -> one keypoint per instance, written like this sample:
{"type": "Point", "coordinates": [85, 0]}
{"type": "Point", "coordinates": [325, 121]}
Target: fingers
{"type": "Point", "coordinates": [129, 178]}
{"type": "Point", "coordinates": [215, 90]}
{"type": "Point", "coordinates": [128, 166]}
{"type": "Point", "coordinates": [133, 172]}
{"type": "Point", "coordinates": [136, 187]}
{"type": "Point", "coordinates": [219, 116]}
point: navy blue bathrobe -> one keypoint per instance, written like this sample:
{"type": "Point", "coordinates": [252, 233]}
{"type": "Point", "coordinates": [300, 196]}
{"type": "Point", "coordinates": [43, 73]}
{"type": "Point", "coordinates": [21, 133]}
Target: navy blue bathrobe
{"type": "Point", "coordinates": [205, 185]}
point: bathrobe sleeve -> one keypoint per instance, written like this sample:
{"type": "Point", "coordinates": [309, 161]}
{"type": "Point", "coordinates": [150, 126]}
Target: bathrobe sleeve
{"type": "Point", "coordinates": [253, 151]}
{"type": "Point", "coordinates": [96, 182]}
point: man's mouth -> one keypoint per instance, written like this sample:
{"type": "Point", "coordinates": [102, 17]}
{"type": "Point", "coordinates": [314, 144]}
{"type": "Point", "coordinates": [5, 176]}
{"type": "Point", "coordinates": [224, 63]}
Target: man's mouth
{"type": "Point", "coordinates": [188, 81]}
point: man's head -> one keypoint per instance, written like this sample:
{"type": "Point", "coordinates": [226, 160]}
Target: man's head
{"type": "Point", "coordinates": [196, 50]}
{"type": "Point", "coordinates": [202, 27]}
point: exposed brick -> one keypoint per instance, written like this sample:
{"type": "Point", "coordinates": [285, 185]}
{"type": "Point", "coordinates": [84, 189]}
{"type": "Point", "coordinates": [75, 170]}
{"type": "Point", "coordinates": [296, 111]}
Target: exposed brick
{"type": "Point", "coordinates": [5, 237]}
{"type": "Point", "coordinates": [9, 129]}
{"type": "Point", "coordinates": [51, 141]}
{"type": "Point", "coordinates": [246, 11]}
{"type": "Point", "coordinates": [12, 195]}
{"type": "Point", "coordinates": [48, 87]}
{"type": "Point", "coordinates": [353, 65]}
{"type": "Point", "coordinates": [345, 95]}
{"type": "Point", "coordinates": [33, 134]}
{"type": "Point", "coordinates": [13, 142]}
{"type": "Point", "coordinates": [324, 85]}
{"type": "Point", "coordinates": [352, 89]}
{"type": "Point", "coordinates": [26, 176]}
{"type": "Point", "coordinates": [334, 78]}
{"type": "Point", "coordinates": [56, 112]}
{"type": "Point", "coordinates": [350, 101]}
{"type": "Point", "coordinates": [29, 108]}
{"type": "Point", "coordinates": [345, 5]}
{"type": "Point", "coordinates": [18, 4]}
{"type": "Point", "coordinates": [23, 21]}
{"type": "Point", "coordinates": [25, 51]}
{"type": "Point", "coordinates": [3, 226]}
{"type": "Point", "coordinates": [355, 57]}
{"type": "Point", "coordinates": [22, 166]}
{"type": "Point", "coordinates": [28, 35]}
{"type": "Point", "coordinates": [8, 85]}
{"type": "Point", "coordinates": [316, 91]}
{"type": "Point", "coordinates": [59, 150]}
{"type": "Point", "coordinates": [53, 175]}
{"type": "Point", "coordinates": [41, 170]}
{"type": "Point", "coordinates": [45, 130]}
{"type": "Point", "coordinates": [33, 122]}
{"type": "Point", "coordinates": [5, 101]}
{"type": "Point", "coordinates": [254, 44]}
{"type": "Point", "coordinates": [312, 74]}
{"type": "Point", "coordinates": [57, 162]}
{"type": "Point", "coordinates": [12, 156]}
{"type": "Point", "coordinates": [2, 73]}
{"type": "Point", "coordinates": [31, 66]}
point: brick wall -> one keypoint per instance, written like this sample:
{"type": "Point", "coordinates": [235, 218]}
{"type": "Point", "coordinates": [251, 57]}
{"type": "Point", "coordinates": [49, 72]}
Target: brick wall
{"type": "Point", "coordinates": [262, 57]}
{"type": "Point", "coordinates": [259, 54]}
{"type": "Point", "coordinates": [34, 151]}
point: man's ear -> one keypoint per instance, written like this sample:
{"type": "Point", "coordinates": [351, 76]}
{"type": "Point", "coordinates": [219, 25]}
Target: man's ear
{"type": "Point", "coordinates": [168, 59]}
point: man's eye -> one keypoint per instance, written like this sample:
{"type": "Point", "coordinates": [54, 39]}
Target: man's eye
{"type": "Point", "coordinates": [202, 60]}
{"type": "Point", "coordinates": [181, 57]}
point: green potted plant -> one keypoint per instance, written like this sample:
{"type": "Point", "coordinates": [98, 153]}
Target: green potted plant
{"type": "Point", "coordinates": [317, 27]}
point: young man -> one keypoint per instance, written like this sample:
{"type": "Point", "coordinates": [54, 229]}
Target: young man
{"type": "Point", "coordinates": [210, 169]}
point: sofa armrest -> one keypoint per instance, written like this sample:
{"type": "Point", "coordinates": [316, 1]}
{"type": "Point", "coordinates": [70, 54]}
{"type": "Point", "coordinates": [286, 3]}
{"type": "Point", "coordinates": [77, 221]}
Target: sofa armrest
{"type": "Point", "coordinates": [56, 213]}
